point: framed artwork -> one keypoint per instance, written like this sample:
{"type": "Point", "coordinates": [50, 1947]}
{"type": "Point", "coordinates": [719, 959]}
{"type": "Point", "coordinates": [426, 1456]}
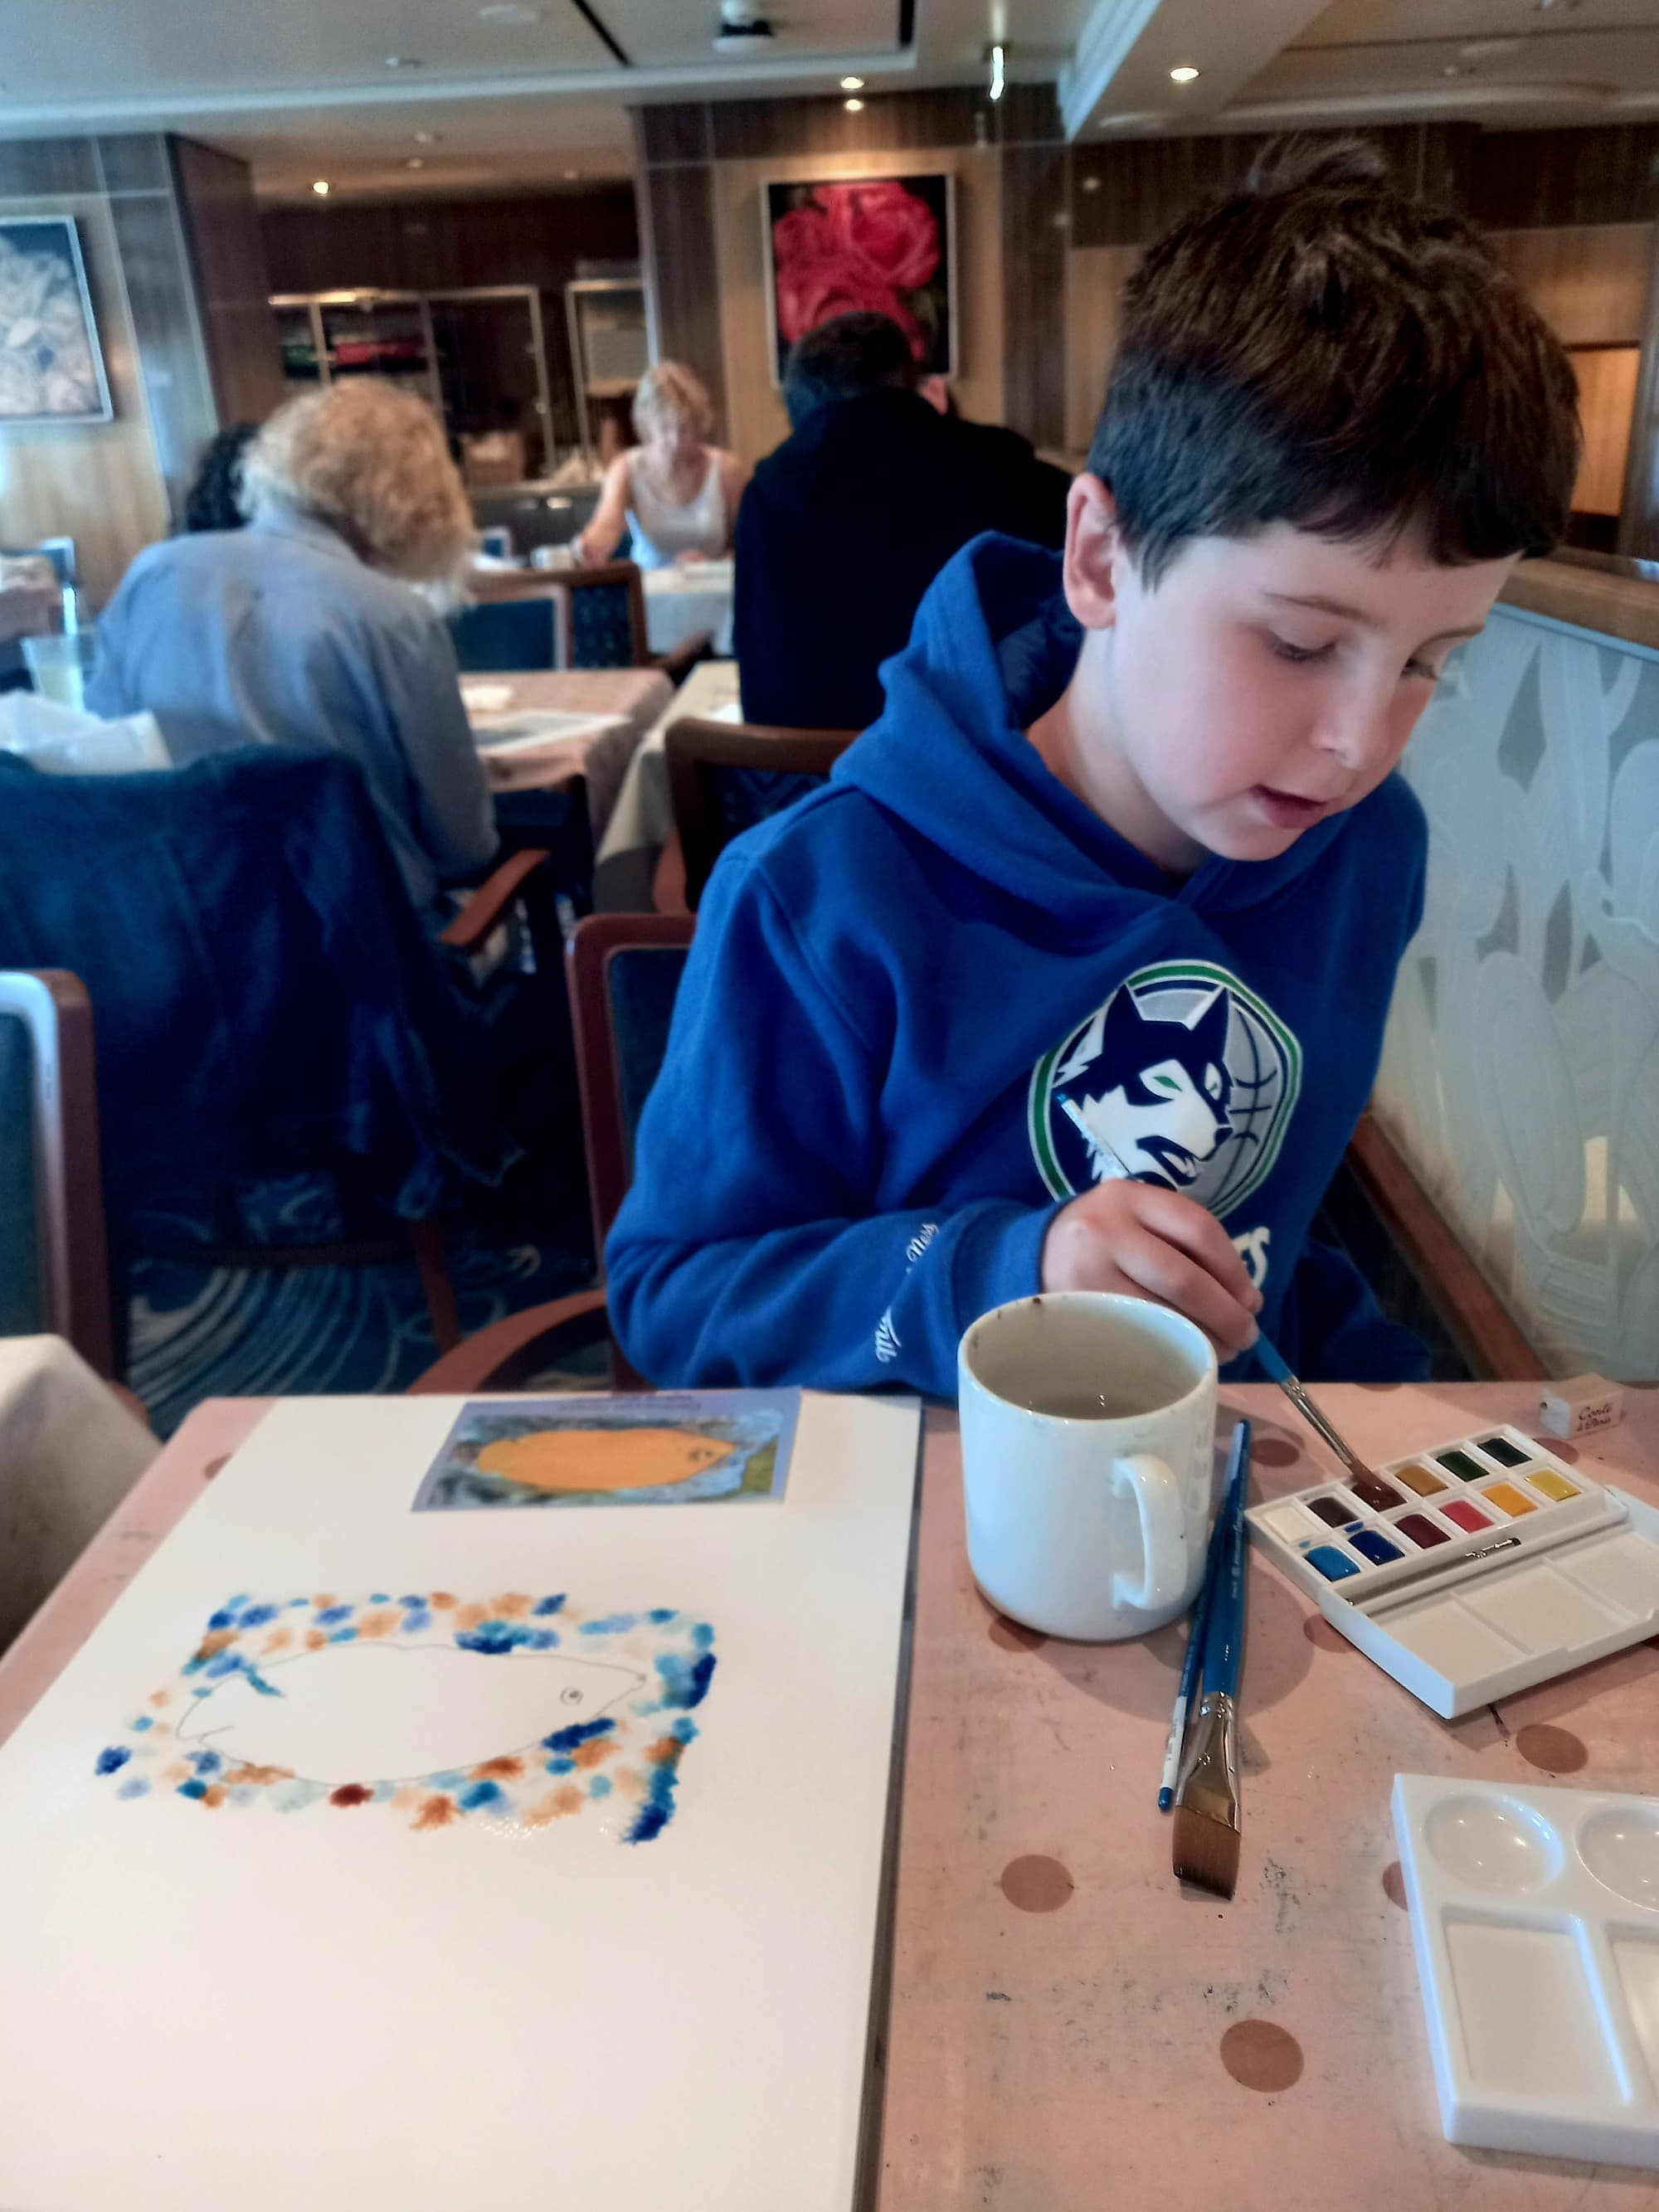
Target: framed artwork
{"type": "Point", "coordinates": [51, 368]}
{"type": "Point", "coordinates": [885, 243]}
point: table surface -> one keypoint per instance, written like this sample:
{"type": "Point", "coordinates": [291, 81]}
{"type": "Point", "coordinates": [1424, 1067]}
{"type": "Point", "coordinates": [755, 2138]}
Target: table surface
{"type": "Point", "coordinates": [1069, 2031]}
{"type": "Point", "coordinates": [638, 695]}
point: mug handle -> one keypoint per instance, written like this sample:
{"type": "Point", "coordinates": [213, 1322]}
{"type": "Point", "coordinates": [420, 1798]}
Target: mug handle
{"type": "Point", "coordinates": [1162, 1517]}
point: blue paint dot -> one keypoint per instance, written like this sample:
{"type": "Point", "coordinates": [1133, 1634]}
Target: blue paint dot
{"type": "Point", "coordinates": [480, 1795]}
{"type": "Point", "coordinates": [452, 1780]}
{"type": "Point", "coordinates": [599, 1786]}
{"type": "Point", "coordinates": [561, 1766]}
{"type": "Point", "coordinates": [661, 1616]}
{"type": "Point", "coordinates": [379, 1598]}
{"type": "Point", "coordinates": [223, 1663]}
{"type": "Point", "coordinates": [192, 1789]}
{"type": "Point", "coordinates": [333, 1613]}
{"type": "Point", "coordinates": [415, 1622]}
{"type": "Point", "coordinates": [293, 1602]}
{"type": "Point", "coordinates": [702, 1636]}
{"type": "Point", "coordinates": [493, 1638]}
{"type": "Point", "coordinates": [143, 1724]}
{"type": "Point", "coordinates": [258, 1616]}
{"type": "Point", "coordinates": [414, 1600]}
{"type": "Point", "coordinates": [344, 1636]}
{"type": "Point", "coordinates": [221, 1619]}
{"type": "Point", "coordinates": [206, 1762]}
{"type": "Point", "coordinates": [617, 1624]}
{"type": "Point", "coordinates": [542, 1639]}
{"type": "Point", "coordinates": [685, 1683]}
{"type": "Point", "coordinates": [111, 1758]}
{"type": "Point", "coordinates": [134, 1786]}
{"type": "Point", "coordinates": [551, 1604]}
{"type": "Point", "coordinates": [580, 1732]}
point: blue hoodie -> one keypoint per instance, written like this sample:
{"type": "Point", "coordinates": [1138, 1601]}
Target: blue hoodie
{"type": "Point", "coordinates": [933, 1001]}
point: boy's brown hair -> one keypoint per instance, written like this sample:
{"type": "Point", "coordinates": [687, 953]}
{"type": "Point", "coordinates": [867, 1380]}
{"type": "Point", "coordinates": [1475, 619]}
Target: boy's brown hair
{"type": "Point", "coordinates": [1323, 349]}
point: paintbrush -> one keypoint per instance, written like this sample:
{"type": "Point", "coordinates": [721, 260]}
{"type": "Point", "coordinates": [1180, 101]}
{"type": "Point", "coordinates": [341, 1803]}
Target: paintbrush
{"type": "Point", "coordinates": [1204, 1849]}
{"type": "Point", "coordinates": [1238, 1458]}
{"type": "Point", "coordinates": [1276, 1364]}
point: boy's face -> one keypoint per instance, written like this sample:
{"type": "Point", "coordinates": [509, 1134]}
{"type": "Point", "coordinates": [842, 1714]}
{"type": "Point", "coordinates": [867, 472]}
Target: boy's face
{"type": "Point", "coordinates": [1265, 683]}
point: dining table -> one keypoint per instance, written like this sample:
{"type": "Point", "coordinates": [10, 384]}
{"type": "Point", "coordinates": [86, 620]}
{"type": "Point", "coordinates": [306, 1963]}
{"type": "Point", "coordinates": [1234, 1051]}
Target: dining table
{"type": "Point", "coordinates": [688, 598]}
{"type": "Point", "coordinates": [593, 721]}
{"type": "Point", "coordinates": [1059, 2024]}
{"type": "Point", "coordinates": [642, 819]}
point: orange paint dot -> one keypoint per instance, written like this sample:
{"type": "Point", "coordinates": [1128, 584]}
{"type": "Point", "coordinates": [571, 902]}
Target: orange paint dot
{"type": "Point", "coordinates": [377, 1624]}
{"type": "Point", "coordinates": [176, 1773]}
{"type": "Point", "coordinates": [213, 1797]}
{"type": "Point", "coordinates": [216, 1641]}
{"type": "Point", "coordinates": [513, 1607]}
{"type": "Point", "coordinates": [278, 1640]}
{"type": "Point", "coordinates": [323, 1603]}
{"type": "Point", "coordinates": [594, 1752]}
{"type": "Point", "coordinates": [566, 1798]}
{"type": "Point", "coordinates": [436, 1813]}
{"type": "Point", "coordinates": [161, 1697]}
{"type": "Point", "coordinates": [315, 1640]}
{"type": "Point", "coordinates": [666, 1750]}
{"type": "Point", "coordinates": [498, 1770]}
{"type": "Point", "coordinates": [470, 1616]}
{"type": "Point", "coordinates": [440, 1601]}
{"type": "Point", "coordinates": [350, 1793]}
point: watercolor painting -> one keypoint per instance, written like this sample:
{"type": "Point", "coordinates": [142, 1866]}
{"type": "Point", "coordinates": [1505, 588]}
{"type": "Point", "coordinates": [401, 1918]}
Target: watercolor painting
{"type": "Point", "coordinates": [880, 244]}
{"type": "Point", "coordinates": [512, 1711]}
{"type": "Point", "coordinates": [672, 1448]}
{"type": "Point", "coordinates": [51, 367]}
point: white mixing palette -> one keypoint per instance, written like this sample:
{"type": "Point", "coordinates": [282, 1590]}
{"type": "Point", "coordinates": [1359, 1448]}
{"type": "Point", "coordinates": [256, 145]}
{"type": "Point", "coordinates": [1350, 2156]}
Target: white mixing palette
{"type": "Point", "coordinates": [1471, 1569]}
{"type": "Point", "coordinates": [1535, 1917]}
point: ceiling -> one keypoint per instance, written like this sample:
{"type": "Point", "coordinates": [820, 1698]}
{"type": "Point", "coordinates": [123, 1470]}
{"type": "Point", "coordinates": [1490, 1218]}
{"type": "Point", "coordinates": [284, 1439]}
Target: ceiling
{"type": "Point", "coordinates": [416, 97]}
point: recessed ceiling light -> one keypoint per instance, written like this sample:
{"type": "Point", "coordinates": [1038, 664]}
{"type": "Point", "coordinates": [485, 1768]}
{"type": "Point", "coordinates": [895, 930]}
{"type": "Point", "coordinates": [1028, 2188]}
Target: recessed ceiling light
{"type": "Point", "coordinates": [321, 188]}
{"type": "Point", "coordinates": [853, 106]}
{"type": "Point", "coordinates": [403, 61]}
{"type": "Point", "coordinates": [1092, 183]}
{"type": "Point", "coordinates": [997, 58]}
{"type": "Point", "coordinates": [1184, 73]}
{"type": "Point", "coordinates": [571, 175]}
{"type": "Point", "coordinates": [852, 84]}
{"type": "Point", "coordinates": [428, 137]}
{"type": "Point", "coordinates": [414, 162]}
{"type": "Point", "coordinates": [508, 11]}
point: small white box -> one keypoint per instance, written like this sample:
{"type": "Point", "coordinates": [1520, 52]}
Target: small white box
{"type": "Point", "coordinates": [1581, 1407]}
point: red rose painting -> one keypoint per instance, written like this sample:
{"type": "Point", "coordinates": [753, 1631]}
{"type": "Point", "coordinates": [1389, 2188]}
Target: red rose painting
{"type": "Point", "coordinates": [878, 243]}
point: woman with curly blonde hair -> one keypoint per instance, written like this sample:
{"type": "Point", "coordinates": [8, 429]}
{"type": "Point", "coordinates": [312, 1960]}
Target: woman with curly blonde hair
{"type": "Point", "coordinates": [303, 629]}
{"type": "Point", "coordinates": [676, 496]}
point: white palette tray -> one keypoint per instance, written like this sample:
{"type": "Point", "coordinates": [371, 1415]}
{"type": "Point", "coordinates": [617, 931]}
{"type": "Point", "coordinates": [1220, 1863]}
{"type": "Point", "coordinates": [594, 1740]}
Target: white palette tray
{"type": "Point", "coordinates": [1473, 1569]}
{"type": "Point", "coordinates": [1535, 1917]}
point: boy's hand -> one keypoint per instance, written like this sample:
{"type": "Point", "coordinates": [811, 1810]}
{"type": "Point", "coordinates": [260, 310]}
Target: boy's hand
{"type": "Point", "coordinates": [1149, 1243]}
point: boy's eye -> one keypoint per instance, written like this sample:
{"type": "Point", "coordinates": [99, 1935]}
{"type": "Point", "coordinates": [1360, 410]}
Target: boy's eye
{"type": "Point", "coordinates": [1298, 655]}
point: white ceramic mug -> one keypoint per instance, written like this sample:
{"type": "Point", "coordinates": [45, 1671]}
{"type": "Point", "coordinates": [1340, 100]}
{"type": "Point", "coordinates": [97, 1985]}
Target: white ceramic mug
{"type": "Point", "coordinates": [1088, 1428]}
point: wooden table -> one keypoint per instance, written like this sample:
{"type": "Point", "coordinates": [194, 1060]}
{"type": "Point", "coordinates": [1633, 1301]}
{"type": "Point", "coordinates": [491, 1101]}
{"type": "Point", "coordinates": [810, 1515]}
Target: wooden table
{"type": "Point", "coordinates": [639, 696]}
{"type": "Point", "coordinates": [1068, 2031]}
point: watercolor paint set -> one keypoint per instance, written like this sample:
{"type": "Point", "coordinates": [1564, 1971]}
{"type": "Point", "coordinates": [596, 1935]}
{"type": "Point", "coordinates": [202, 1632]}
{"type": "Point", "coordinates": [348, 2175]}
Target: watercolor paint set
{"type": "Point", "coordinates": [1471, 1569]}
{"type": "Point", "coordinates": [1535, 1917]}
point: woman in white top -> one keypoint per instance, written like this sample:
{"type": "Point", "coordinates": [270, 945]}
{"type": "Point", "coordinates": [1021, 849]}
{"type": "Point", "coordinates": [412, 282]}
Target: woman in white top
{"type": "Point", "coordinates": [676, 496]}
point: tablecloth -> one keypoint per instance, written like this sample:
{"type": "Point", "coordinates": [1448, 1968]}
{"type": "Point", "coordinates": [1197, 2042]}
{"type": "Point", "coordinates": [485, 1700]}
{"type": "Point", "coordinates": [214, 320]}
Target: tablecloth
{"type": "Point", "coordinates": [681, 601]}
{"type": "Point", "coordinates": [643, 814]}
{"type": "Point", "coordinates": [635, 699]}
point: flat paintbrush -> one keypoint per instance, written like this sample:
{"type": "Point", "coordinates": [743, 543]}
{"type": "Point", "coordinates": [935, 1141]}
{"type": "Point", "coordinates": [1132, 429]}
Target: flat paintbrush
{"type": "Point", "coordinates": [1238, 1460]}
{"type": "Point", "coordinates": [1205, 1843]}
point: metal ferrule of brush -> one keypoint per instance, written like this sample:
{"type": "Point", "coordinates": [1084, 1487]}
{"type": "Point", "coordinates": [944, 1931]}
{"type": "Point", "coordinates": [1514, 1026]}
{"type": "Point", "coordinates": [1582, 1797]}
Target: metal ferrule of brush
{"type": "Point", "coordinates": [1209, 1778]}
{"type": "Point", "coordinates": [1311, 1413]}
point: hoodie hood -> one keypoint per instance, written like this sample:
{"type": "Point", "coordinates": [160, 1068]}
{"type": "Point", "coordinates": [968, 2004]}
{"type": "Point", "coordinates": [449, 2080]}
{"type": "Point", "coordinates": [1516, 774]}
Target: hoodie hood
{"type": "Point", "coordinates": [993, 647]}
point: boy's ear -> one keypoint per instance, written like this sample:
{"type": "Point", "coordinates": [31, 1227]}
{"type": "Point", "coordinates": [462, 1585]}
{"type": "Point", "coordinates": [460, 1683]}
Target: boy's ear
{"type": "Point", "coordinates": [1094, 548]}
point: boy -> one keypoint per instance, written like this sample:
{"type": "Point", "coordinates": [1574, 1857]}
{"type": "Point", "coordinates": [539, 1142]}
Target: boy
{"type": "Point", "coordinates": [1075, 976]}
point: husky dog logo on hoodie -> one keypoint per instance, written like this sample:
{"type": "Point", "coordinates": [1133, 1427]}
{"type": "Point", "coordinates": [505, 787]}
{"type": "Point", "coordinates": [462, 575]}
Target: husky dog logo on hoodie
{"type": "Point", "coordinates": [1182, 1077]}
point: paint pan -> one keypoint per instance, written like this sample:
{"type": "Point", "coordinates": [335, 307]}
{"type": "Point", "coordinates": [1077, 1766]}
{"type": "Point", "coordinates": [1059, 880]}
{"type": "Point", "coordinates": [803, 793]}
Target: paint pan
{"type": "Point", "coordinates": [1511, 1571]}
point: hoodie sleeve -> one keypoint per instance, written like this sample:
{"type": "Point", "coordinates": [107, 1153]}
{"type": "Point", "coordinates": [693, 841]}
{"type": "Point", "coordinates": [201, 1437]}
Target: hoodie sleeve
{"type": "Point", "coordinates": [748, 1251]}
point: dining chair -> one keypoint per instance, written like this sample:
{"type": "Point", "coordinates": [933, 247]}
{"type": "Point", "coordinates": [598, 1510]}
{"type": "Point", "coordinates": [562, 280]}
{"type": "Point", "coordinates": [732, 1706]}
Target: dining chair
{"type": "Point", "coordinates": [726, 776]}
{"type": "Point", "coordinates": [624, 972]}
{"type": "Point", "coordinates": [529, 618]}
{"type": "Point", "coordinates": [54, 1254]}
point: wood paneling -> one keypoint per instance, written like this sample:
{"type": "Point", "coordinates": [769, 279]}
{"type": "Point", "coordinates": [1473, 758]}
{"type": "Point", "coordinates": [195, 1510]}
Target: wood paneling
{"type": "Point", "coordinates": [1036, 219]}
{"type": "Point", "coordinates": [1538, 179]}
{"type": "Point", "coordinates": [1590, 284]}
{"type": "Point", "coordinates": [749, 129]}
{"type": "Point", "coordinates": [97, 483]}
{"type": "Point", "coordinates": [1094, 277]}
{"type": "Point", "coordinates": [226, 253]}
{"type": "Point", "coordinates": [1607, 400]}
{"type": "Point", "coordinates": [684, 274]}
{"type": "Point", "coordinates": [43, 168]}
{"type": "Point", "coordinates": [676, 132]}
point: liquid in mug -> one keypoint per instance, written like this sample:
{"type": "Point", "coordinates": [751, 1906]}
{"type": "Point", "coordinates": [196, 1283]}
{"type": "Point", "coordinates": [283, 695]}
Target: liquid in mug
{"type": "Point", "coordinates": [1082, 1405]}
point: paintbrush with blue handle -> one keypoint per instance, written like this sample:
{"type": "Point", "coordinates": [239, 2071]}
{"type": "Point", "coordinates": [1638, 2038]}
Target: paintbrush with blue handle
{"type": "Point", "coordinates": [1237, 1461]}
{"type": "Point", "coordinates": [1205, 1849]}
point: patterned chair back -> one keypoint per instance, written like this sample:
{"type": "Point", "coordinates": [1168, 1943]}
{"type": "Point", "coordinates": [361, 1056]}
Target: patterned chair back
{"type": "Point", "coordinates": [727, 776]}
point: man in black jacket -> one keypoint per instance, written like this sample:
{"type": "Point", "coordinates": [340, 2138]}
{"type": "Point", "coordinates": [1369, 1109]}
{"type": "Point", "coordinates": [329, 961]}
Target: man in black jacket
{"type": "Point", "coordinates": [842, 529]}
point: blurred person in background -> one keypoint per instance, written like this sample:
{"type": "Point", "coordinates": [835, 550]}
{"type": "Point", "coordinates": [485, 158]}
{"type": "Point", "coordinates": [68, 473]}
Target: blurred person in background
{"type": "Point", "coordinates": [844, 526]}
{"type": "Point", "coordinates": [214, 501]}
{"type": "Point", "coordinates": [303, 628]}
{"type": "Point", "coordinates": [674, 494]}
